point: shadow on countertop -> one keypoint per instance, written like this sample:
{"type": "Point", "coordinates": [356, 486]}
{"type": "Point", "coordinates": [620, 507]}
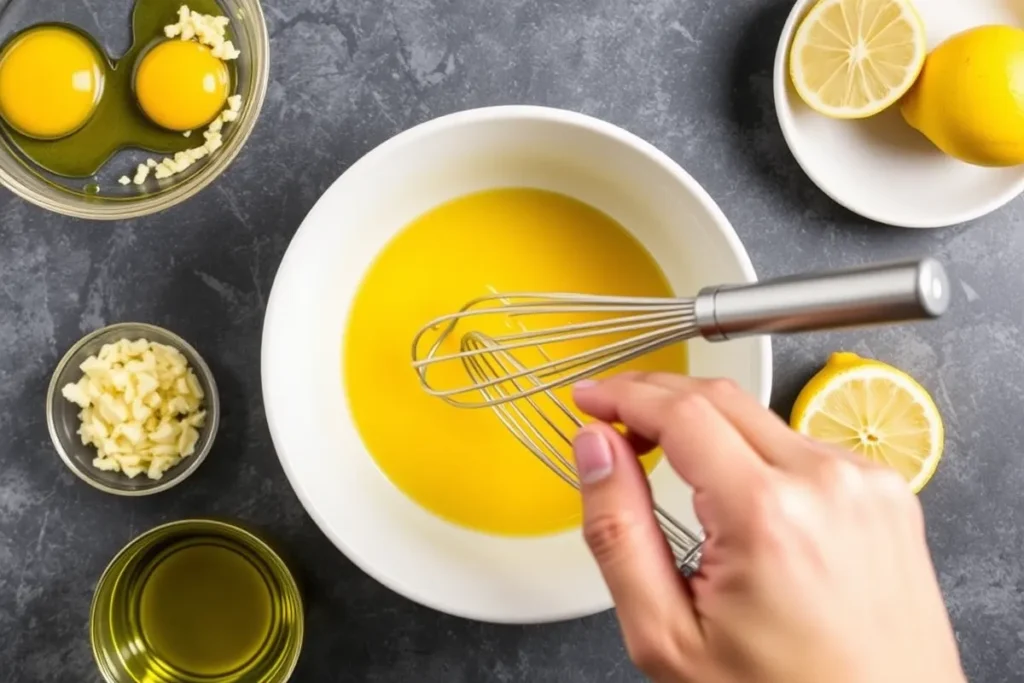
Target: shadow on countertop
{"type": "Point", "coordinates": [751, 109]}
{"type": "Point", "coordinates": [363, 632]}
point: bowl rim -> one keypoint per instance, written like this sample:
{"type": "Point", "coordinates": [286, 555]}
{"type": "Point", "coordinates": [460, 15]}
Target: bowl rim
{"type": "Point", "coordinates": [217, 524]}
{"type": "Point", "coordinates": [219, 162]}
{"type": "Point", "coordinates": [212, 412]}
{"type": "Point", "coordinates": [427, 128]}
{"type": "Point", "coordinates": [780, 82]}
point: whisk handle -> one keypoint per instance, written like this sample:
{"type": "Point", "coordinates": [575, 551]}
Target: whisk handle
{"type": "Point", "coordinates": [862, 296]}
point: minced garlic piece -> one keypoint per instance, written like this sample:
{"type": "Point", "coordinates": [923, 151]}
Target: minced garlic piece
{"type": "Point", "coordinates": [206, 29]}
{"type": "Point", "coordinates": [141, 407]}
{"type": "Point", "coordinates": [213, 141]}
{"type": "Point", "coordinates": [141, 173]}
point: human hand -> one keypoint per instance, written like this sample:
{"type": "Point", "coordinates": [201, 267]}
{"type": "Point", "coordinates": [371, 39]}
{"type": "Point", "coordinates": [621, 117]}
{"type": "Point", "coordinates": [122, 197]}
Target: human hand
{"type": "Point", "coordinates": [815, 568]}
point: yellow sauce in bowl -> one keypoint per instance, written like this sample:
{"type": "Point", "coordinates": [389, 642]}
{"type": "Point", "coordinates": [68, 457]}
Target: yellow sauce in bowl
{"type": "Point", "coordinates": [460, 464]}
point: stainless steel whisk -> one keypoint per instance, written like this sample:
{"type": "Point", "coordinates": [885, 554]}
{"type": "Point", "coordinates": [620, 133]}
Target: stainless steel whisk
{"type": "Point", "coordinates": [545, 426]}
{"type": "Point", "coordinates": [624, 328]}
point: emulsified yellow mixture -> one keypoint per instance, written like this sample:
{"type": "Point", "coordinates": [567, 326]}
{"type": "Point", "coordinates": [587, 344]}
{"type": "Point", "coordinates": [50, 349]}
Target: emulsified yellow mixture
{"type": "Point", "coordinates": [459, 463]}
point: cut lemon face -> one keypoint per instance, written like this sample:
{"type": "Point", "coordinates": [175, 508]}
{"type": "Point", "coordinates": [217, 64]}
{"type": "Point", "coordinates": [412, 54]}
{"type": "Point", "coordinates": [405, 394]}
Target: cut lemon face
{"type": "Point", "coordinates": [875, 410]}
{"type": "Point", "coordinates": [853, 58]}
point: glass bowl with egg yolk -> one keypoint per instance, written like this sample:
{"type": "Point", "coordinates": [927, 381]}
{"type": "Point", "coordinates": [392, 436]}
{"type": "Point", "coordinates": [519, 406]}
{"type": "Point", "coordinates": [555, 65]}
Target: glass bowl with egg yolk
{"type": "Point", "coordinates": [464, 465]}
{"type": "Point", "coordinates": [161, 87]}
{"type": "Point", "coordinates": [127, 81]}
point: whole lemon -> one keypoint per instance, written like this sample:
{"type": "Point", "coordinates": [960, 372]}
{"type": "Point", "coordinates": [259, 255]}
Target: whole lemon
{"type": "Point", "coordinates": [969, 98]}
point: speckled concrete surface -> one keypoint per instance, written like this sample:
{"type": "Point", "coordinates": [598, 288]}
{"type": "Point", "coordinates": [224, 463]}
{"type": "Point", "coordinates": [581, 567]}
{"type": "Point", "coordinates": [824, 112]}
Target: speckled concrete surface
{"type": "Point", "coordinates": [691, 76]}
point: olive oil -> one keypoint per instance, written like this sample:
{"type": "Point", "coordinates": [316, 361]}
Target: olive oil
{"type": "Point", "coordinates": [117, 122]}
{"type": "Point", "coordinates": [205, 608]}
{"type": "Point", "coordinates": [197, 601]}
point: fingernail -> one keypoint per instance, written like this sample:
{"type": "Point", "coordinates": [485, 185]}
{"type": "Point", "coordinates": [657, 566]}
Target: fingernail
{"type": "Point", "coordinates": [593, 456]}
{"type": "Point", "coordinates": [584, 384]}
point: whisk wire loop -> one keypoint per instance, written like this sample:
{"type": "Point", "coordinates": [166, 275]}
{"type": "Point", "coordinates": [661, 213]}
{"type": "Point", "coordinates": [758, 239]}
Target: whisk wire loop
{"type": "Point", "coordinates": [631, 328]}
{"type": "Point", "coordinates": [544, 424]}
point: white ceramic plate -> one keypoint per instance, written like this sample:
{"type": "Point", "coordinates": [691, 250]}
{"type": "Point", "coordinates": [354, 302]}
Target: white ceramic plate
{"type": "Point", "coordinates": [880, 167]}
{"type": "Point", "coordinates": [431, 561]}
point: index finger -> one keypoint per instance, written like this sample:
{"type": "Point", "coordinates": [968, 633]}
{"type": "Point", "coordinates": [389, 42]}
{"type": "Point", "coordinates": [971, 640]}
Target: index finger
{"type": "Point", "coordinates": [699, 442]}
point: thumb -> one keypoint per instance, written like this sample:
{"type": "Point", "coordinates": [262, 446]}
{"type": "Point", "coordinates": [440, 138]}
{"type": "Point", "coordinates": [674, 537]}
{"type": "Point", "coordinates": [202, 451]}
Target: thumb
{"type": "Point", "coordinates": [620, 528]}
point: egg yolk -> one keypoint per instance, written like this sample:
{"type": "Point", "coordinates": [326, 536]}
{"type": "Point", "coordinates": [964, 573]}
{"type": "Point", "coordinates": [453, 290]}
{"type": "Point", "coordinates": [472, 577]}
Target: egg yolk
{"type": "Point", "coordinates": [51, 80]}
{"type": "Point", "coordinates": [180, 85]}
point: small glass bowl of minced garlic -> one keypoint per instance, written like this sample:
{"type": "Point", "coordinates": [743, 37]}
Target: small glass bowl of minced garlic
{"type": "Point", "coordinates": [100, 131]}
{"type": "Point", "coordinates": [132, 409]}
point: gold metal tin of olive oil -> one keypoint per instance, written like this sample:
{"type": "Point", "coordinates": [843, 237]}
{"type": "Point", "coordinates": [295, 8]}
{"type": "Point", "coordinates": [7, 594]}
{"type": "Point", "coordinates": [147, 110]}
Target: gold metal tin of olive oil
{"type": "Point", "coordinates": [197, 601]}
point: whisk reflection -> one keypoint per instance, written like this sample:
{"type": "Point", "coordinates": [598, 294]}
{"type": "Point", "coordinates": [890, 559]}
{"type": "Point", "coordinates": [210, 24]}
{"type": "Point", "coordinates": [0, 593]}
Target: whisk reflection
{"type": "Point", "coordinates": [545, 425]}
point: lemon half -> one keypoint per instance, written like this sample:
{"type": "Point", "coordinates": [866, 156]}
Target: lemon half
{"type": "Point", "coordinates": [875, 410]}
{"type": "Point", "coordinates": [853, 58]}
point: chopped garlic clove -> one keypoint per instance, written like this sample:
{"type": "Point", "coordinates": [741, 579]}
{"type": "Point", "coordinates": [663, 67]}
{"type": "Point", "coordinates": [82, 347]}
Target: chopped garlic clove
{"type": "Point", "coordinates": [130, 461]}
{"type": "Point", "coordinates": [146, 384]}
{"type": "Point", "coordinates": [155, 471]}
{"type": "Point", "coordinates": [164, 450]}
{"type": "Point", "coordinates": [187, 441]}
{"type": "Point", "coordinates": [140, 411]}
{"type": "Point", "coordinates": [106, 464]}
{"type": "Point", "coordinates": [164, 433]}
{"type": "Point", "coordinates": [94, 367]}
{"type": "Point", "coordinates": [194, 387]}
{"type": "Point", "coordinates": [132, 431]}
{"type": "Point", "coordinates": [132, 471]}
{"type": "Point", "coordinates": [120, 379]}
{"type": "Point", "coordinates": [112, 409]}
{"type": "Point", "coordinates": [76, 395]}
{"type": "Point", "coordinates": [178, 405]}
{"type": "Point", "coordinates": [99, 428]}
{"type": "Point", "coordinates": [141, 173]}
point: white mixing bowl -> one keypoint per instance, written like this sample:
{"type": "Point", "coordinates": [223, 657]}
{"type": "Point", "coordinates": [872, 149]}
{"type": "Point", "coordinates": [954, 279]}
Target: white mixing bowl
{"type": "Point", "coordinates": [435, 563]}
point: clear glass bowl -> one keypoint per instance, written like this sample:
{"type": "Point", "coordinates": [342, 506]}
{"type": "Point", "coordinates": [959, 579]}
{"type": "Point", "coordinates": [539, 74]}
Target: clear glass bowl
{"type": "Point", "coordinates": [62, 415]}
{"type": "Point", "coordinates": [121, 648]}
{"type": "Point", "coordinates": [109, 23]}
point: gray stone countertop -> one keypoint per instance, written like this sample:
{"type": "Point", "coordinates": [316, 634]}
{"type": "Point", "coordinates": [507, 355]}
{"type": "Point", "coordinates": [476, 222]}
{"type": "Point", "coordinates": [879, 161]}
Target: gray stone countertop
{"type": "Point", "coordinates": [691, 76]}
